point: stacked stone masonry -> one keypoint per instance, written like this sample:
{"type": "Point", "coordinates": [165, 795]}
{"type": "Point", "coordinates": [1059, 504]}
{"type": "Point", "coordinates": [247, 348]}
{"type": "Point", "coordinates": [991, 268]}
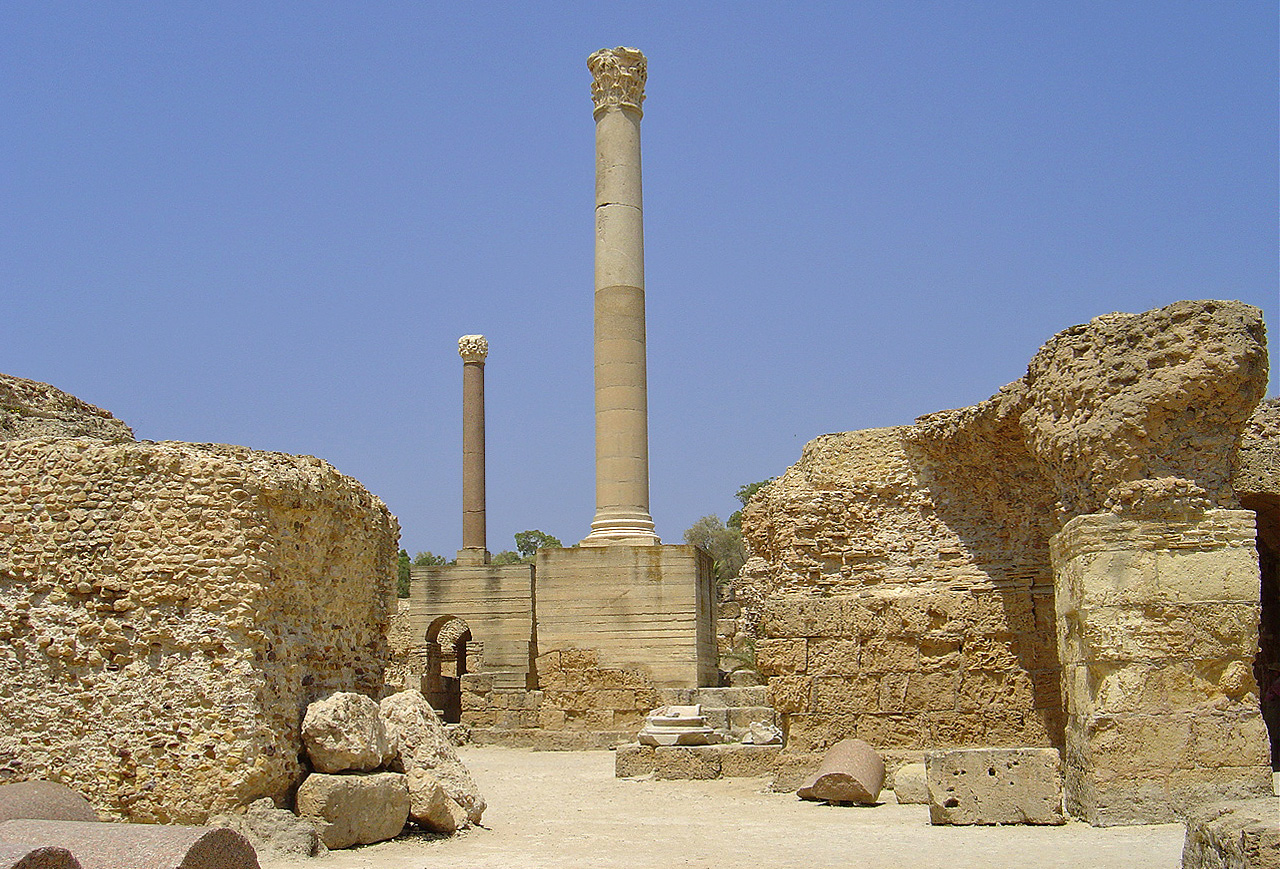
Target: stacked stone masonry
{"type": "Point", "coordinates": [1157, 632]}
{"type": "Point", "coordinates": [168, 610]}
{"type": "Point", "coordinates": [900, 584]}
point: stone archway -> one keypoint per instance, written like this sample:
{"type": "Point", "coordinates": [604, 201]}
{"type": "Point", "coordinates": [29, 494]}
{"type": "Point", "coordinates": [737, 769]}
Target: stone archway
{"type": "Point", "coordinates": [1267, 667]}
{"type": "Point", "coordinates": [446, 643]}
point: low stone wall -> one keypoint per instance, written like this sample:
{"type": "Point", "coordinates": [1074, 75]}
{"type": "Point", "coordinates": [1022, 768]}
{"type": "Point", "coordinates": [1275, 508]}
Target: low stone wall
{"type": "Point", "coordinates": [906, 669]}
{"type": "Point", "coordinates": [167, 611]}
{"type": "Point", "coordinates": [597, 706]}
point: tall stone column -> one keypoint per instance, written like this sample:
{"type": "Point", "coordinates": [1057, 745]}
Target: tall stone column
{"type": "Point", "coordinates": [622, 407]}
{"type": "Point", "coordinates": [473, 349]}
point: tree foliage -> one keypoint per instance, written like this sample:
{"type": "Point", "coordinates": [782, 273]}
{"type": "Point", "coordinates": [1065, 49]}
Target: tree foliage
{"type": "Point", "coordinates": [529, 542]}
{"type": "Point", "coordinates": [402, 575]}
{"type": "Point", "coordinates": [722, 543]}
{"type": "Point", "coordinates": [743, 495]}
{"type": "Point", "coordinates": [429, 559]}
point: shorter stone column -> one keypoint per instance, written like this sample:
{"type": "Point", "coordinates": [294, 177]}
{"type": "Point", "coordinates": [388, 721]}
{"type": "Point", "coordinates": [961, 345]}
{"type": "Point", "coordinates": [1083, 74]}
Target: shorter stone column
{"type": "Point", "coordinates": [473, 349]}
{"type": "Point", "coordinates": [1157, 633]}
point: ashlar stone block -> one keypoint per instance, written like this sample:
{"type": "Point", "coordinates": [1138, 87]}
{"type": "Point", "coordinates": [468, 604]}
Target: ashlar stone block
{"type": "Point", "coordinates": [994, 786]}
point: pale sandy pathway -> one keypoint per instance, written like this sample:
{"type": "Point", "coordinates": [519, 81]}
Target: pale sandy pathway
{"type": "Point", "coordinates": [556, 810]}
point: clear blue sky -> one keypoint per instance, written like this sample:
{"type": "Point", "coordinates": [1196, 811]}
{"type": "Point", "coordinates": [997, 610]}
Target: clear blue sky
{"type": "Point", "coordinates": [268, 223]}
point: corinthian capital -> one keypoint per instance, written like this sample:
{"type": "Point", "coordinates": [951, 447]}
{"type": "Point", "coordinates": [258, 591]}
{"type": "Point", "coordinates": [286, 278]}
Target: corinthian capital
{"type": "Point", "coordinates": [619, 75]}
{"type": "Point", "coordinates": [473, 348]}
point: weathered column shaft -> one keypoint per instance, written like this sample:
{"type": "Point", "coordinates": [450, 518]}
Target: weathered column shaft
{"type": "Point", "coordinates": [473, 349]}
{"type": "Point", "coordinates": [622, 408]}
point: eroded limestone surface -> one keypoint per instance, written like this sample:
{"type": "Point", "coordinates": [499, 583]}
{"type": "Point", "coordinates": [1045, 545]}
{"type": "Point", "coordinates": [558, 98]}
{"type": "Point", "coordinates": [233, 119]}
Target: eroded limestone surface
{"type": "Point", "coordinates": [1135, 397]}
{"type": "Point", "coordinates": [168, 610]}
{"type": "Point", "coordinates": [900, 585]}
{"type": "Point", "coordinates": [30, 409]}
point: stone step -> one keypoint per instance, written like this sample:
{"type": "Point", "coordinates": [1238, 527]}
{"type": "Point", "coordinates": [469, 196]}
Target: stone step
{"type": "Point", "coordinates": [756, 695]}
{"type": "Point", "coordinates": [736, 720]}
{"type": "Point", "coordinates": [695, 761]}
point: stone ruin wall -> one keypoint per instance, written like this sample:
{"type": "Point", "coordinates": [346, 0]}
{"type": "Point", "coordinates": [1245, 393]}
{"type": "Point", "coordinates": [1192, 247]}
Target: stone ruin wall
{"type": "Point", "coordinates": [901, 580]}
{"type": "Point", "coordinates": [580, 704]}
{"type": "Point", "coordinates": [168, 610]}
{"type": "Point", "coordinates": [900, 585]}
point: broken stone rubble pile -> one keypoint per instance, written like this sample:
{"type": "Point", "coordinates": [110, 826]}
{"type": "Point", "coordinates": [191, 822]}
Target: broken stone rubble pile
{"type": "Point", "coordinates": [378, 766]}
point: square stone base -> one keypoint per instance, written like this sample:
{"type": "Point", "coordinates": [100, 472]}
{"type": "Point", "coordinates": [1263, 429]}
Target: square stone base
{"type": "Point", "coordinates": [646, 608]}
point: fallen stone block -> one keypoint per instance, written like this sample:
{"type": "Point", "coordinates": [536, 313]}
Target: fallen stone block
{"type": "Point", "coordinates": [135, 846]}
{"type": "Point", "coordinates": [425, 745]}
{"type": "Point", "coordinates": [431, 807]}
{"type": "Point", "coordinates": [345, 731]}
{"type": "Point", "coordinates": [630, 761]}
{"type": "Point", "coordinates": [275, 833]}
{"type": "Point", "coordinates": [685, 763]}
{"type": "Point", "coordinates": [910, 784]}
{"type": "Point", "coordinates": [357, 809]}
{"type": "Point", "coordinates": [851, 772]}
{"type": "Point", "coordinates": [1238, 833]}
{"type": "Point", "coordinates": [16, 856]}
{"type": "Point", "coordinates": [45, 801]}
{"type": "Point", "coordinates": [994, 786]}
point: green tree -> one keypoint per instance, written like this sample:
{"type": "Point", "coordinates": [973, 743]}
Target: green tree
{"type": "Point", "coordinates": [506, 556]}
{"type": "Point", "coordinates": [428, 559]}
{"type": "Point", "coordinates": [529, 542]}
{"type": "Point", "coordinates": [402, 575]}
{"type": "Point", "coordinates": [743, 495]}
{"type": "Point", "coordinates": [722, 543]}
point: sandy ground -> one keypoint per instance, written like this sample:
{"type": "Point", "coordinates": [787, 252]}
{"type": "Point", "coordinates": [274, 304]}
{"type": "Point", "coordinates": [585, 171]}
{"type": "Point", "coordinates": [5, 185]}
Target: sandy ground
{"type": "Point", "coordinates": [555, 810]}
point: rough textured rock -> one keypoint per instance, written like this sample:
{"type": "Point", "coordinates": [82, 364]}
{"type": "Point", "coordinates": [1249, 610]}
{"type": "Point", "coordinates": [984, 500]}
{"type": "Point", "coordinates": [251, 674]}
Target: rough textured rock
{"type": "Point", "coordinates": [356, 809]}
{"type": "Point", "coordinates": [900, 586]}
{"type": "Point", "coordinates": [431, 807]}
{"type": "Point", "coordinates": [994, 786]}
{"type": "Point", "coordinates": [851, 772]}
{"type": "Point", "coordinates": [1243, 834]}
{"type": "Point", "coordinates": [168, 610]}
{"type": "Point", "coordinates": [911, 785]}
{"type": "Point", "coordinates": [425, 746]}
{"type": "Point", "coordinates": [1158, 631]}
{"type": "Point", "coordinates": [1133, 397]}
{"type": "Point", "coordinates": [345, 731]}
{"type": "Point", "coordinates": [43, 800]}
{"type": "Point", "coordinates": [29, 409]}
{"type": "Point", "coordinates": [18, 856]}
{"type": "Point", "coordinates": [137, 846]}
{"type": "Point", "coordinates": [275, 833]}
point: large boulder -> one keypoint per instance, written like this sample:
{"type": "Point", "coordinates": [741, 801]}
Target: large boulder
{"type": "Point", "coordinates": [345, 731]}
{"type": "Point", "coordinates": [275, 833]}
{"type": "Point", "coordinates": [424, 745]}
{"type": "Point", "coordinates": [355, 809]}
{"type": "Point", "coordinates": [430, 805]}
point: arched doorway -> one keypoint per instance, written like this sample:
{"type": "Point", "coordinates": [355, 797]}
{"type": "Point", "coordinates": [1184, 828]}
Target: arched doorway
{"type": "Point", "coordinates": [446, 639]}
{"type": "Point", "coordinates": [1267, 667]}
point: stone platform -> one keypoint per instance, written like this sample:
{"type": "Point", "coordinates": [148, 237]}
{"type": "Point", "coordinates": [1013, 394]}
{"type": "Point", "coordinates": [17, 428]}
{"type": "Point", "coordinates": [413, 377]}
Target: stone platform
{"type": "Point", "coordinates": [731, 760]}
